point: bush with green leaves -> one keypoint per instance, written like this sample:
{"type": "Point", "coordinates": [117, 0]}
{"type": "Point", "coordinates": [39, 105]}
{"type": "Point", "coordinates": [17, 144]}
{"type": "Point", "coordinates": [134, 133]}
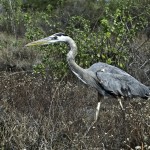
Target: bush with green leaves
{"type": "Point", "coordinates": [11, 16]}
{"type": "Point", "coordinates": [110, 44]}
{"type": "Point", "coordinates": [108, 40]}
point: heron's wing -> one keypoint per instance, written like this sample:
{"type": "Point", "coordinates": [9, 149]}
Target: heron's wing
{"type": "Point", "coordinates": [122, 85]}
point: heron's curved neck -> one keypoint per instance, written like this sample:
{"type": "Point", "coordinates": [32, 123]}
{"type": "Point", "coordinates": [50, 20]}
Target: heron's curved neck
{"type": "Point", "coordinates": [71, 57]}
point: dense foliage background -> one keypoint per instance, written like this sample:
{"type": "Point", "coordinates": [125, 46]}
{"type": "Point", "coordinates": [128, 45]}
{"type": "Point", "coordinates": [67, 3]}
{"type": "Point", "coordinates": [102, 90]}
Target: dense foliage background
{"type": "Point", "coordinates": [103, 30]}
{"type": "Point", "coordinates": [43, 106]}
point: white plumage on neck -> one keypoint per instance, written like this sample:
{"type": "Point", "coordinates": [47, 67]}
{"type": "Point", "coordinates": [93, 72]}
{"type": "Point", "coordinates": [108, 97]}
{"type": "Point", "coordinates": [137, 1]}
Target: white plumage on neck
{"type": "Point", "coordinates": [76, 69]}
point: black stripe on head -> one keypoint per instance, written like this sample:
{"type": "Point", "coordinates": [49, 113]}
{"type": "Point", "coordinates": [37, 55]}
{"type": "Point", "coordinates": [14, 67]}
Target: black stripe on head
{"type": "Point", "coordinates": [61, 34]}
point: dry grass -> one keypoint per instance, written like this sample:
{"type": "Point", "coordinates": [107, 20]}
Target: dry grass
{"type": "Point", "coordinates": [139, 65]}
{"type": "Point", "coordinates": [41, 113]}
{"type": "Point", "coordinates": [14, 56]}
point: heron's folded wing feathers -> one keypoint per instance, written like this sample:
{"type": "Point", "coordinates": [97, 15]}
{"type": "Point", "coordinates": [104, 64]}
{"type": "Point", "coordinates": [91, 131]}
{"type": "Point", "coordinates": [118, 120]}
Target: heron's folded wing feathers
{"type": "Point", "coordinates": [122, 85]}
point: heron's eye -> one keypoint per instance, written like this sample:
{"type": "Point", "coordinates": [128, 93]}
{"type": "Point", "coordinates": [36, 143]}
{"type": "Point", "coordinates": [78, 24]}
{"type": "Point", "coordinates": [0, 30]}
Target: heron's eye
{"type": "Point", "coordinates": [55, 37]}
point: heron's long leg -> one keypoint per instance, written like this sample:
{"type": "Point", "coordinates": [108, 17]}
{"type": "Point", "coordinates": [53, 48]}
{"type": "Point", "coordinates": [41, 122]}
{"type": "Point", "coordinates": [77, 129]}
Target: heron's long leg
{"type": "Point", "coordinates": [123, 122]}
{"type": "Point", "coordinates": [96, 114]}
{"type": "Point", "coordinates": [119, 100]}
{"type": "Point", "coordinates": [97, 110]}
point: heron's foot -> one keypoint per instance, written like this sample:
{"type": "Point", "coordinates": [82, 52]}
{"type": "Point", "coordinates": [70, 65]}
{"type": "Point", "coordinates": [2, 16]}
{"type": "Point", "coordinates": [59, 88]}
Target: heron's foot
{"type": "Point", "coordinates": [89, 128]}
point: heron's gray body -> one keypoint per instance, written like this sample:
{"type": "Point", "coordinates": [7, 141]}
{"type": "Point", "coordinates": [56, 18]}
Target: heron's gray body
{"type": "Point", "coordinates": [117, 82]}
{"type": "Point", "coordinates": [112, 81]}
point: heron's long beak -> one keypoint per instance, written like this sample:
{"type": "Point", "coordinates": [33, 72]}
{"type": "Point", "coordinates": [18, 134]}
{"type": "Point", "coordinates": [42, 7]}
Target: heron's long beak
{"type": "Point", "coordinates": [44, 41]}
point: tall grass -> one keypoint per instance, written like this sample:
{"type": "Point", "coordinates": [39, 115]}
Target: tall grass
{"type": "Point", "coordinates": [42, 113]}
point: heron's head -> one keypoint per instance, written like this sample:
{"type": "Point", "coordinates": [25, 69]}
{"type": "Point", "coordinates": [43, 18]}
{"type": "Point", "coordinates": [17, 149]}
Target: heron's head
{"type": "Point", "coordinates": [57, 37]}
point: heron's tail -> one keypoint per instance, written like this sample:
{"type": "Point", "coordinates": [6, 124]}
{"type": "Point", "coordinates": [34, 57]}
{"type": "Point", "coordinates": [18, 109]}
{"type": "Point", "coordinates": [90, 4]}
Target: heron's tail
{"type": "Point", "coordinates": [149, 93]}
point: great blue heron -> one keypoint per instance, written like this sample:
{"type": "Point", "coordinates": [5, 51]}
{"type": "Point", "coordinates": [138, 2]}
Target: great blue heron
{"type": "Point", "coordinates": [108, 80]}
